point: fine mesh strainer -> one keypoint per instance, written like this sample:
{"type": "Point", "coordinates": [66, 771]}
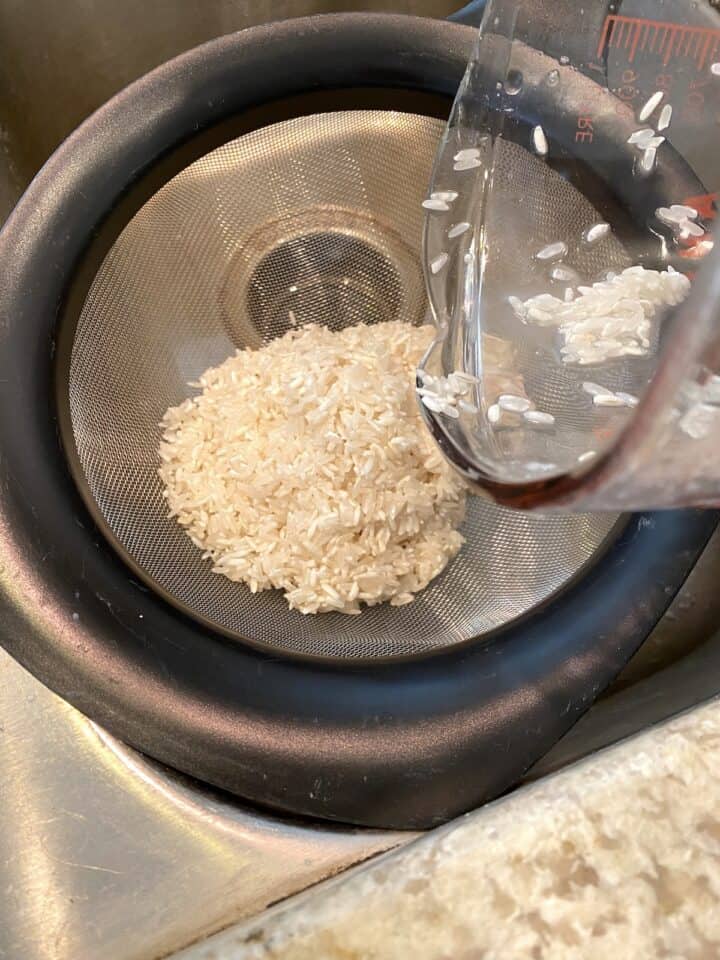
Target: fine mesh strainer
{"type": "Point", "coordinates": [316, 219]}
{"type": "Point", "coordinates": [280, 169]}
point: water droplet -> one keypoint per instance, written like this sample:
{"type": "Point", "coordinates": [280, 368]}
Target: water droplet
{"type": "Point", "coordinates": [564, 59]}
{"type": "Point", "coordinates": [513, 82]}
{"type": "Point", "coordinates": [552, 78]}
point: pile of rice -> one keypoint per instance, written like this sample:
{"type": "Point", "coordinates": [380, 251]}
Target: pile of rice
{"type": "Point", "coordinates": [612, 318]}
{"type": "Point", "coordinates": [305, 466]}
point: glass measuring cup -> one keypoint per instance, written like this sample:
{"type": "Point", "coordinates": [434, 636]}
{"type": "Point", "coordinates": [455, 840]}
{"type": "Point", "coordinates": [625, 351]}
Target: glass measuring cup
{"type": "Point", "coordinates": [569, 213]}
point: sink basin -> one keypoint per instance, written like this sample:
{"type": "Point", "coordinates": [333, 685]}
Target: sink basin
{"type": "Point", "coordinates": [105, 852]}
{"type": "Point", "coordinates": [59, 62]}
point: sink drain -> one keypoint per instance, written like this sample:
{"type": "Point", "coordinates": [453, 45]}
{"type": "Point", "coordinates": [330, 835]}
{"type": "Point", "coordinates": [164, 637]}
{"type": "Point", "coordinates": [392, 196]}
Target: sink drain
{"type": "Point", "coordinates": [291, 274]}
{"type": "Point", "coordinates": [348, 282]}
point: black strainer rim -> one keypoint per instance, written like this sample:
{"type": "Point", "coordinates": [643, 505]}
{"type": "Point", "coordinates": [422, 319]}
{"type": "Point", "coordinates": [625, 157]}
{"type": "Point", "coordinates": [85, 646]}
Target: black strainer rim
{"type": "Point", "coordinates": [394, 744]}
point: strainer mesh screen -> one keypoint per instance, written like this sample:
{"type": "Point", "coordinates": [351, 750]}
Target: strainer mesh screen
{"type": "Point", "coordinates": [316, 218]}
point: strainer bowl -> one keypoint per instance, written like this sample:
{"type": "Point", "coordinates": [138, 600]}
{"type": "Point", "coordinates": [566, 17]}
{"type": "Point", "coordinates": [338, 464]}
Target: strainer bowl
{"type": "Point", "coordinates": [315, 219]}
{"type": "Point", "coordinates": [142, 254]}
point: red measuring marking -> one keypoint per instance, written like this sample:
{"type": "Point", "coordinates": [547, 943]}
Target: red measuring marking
{"type": "Point", "coordinates": [663, 38]}
{"type": "Point", "coordinates": [704, 204]}
{"type": "Point", "coordinates": [696, 247]}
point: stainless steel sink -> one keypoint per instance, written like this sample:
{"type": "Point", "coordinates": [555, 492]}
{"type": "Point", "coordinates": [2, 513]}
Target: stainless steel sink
{"type": "Point", "coordinates": [60, 61]}
{"type": "Point", "coordinates": [103, 852]}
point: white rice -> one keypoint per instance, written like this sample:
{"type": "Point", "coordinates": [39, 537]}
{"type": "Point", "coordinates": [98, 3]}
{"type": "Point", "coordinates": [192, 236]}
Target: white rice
{"type": "Point", "coordinates": [608, 400]}
{"type": "Point", "coordinates": [458, 229]}
{"type": "Point", "coordinates": [641, 136]}
{"type": "Point", "coordinates": [562, 274]}
{"type": "Point", "coordinates": [665, 117]}
{"type": "Point", "coordinates": [512, 403]}
{"type": "Point", "coordinates": [690, 229]}
{"type": "Point", "coordinates": [442, 394]}
{"type": "Point", "coordinates": [435, 203]}
{"type": "Point", "coordinates": [553, 251]}
{"type": "Point", "coordinates": [516, 304]}
{"type": "Point", "coordinates": [539, 141]}
{"type": "Point", "coordinates": [611, 318]}
{"type": "Point", "coordinates": [471, 163]}
{"type": "Point", "coordinates": [469, 153]}
{"type": "Point", "coordinates": [539, 418]}
{"type": "Point", "coordinates": [494, 414]}
{"type": "Point", "coordinates": [598, 231]}
{"type": "Point", "coordinates": [594, 389]}
{"type": "Point", "coordinates": [304, 466]}
{"type": "Point", "coordinates": [674, 214]}
{"type": "Point", "coordinates": [650, 105]}
{"type": "Point", "coordinates": [681, 219]}
{"type": "Point", "coordinates": [536, 466]}
{"type": "Point", "coordinates": [438, 262]}
{"type": "Point", "coordinates": [682, 211]}
{"type": "Point", "coordinates": [647, 161]}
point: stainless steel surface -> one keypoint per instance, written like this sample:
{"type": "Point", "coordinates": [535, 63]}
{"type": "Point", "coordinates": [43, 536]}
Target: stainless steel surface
{"type": "Point", "coordinates": [693, 617]}
{"type": "Point", "coordinates": [105, 854]}
{"type": "Point", "coordinates": [676, 669]}
{"type": "Point", "coordinates": [60, 61]}
{"type": "Point", "coordinates": [102, 853]}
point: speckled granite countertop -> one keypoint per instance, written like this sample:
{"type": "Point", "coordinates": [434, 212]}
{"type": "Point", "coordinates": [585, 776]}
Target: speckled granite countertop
{"type": "Point", "coordinates": [616, 857]}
